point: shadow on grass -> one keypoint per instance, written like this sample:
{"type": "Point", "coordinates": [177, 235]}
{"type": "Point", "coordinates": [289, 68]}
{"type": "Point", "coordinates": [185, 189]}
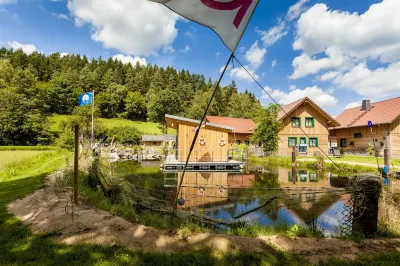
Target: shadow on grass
{"type": "Point", "coordinates": [19, 245]}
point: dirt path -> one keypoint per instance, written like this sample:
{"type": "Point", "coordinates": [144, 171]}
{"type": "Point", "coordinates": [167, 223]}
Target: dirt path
{"type": "Point", "coordinates": [45, 212]}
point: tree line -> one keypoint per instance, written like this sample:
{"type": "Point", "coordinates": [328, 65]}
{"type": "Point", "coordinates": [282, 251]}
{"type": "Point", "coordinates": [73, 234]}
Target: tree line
{"type": "Point", "coordinates": [35, 86]}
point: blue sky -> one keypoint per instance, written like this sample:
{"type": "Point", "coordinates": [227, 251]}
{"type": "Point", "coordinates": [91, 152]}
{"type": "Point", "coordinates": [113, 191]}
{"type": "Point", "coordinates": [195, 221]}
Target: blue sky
{"type": "Point", "coordinates": [337, 52]}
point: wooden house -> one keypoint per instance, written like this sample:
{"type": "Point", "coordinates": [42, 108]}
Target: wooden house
{"type": "Point", "coordinates": [211, 145]}
{"type": "Point", "coordinates": [155, 142]}
{"type": "Point", "coordinates": [354, 133]}
{"type": "Point", "coordinates": [243, 128]}
{"type": "Point", "coordinates": [304, 115]}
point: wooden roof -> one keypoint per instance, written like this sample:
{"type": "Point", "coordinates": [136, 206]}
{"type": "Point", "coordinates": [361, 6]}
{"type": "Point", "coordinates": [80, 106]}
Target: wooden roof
{"type": "Point", "coordinates": [173, 121]}
{"type": "Point", "coordinates": [289, 108]}
{"type": "Point", "coordinates": [240, 125]}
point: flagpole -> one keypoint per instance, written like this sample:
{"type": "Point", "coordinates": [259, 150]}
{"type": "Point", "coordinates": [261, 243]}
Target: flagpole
{"type": "Point", "coordinates": [198, 129]}
{"type": "Point", "coordinates": [92, 137]}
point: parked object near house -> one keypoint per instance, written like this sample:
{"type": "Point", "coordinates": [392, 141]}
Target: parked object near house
{"type": "Point", "coordinates": [354, 133]}
{"type": "Point", "coordinates": [304, 115]}
{"type": "Point", "coordinates": [337, 154]}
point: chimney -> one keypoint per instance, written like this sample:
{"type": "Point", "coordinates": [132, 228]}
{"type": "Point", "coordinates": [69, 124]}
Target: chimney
{"type": "Point", "coordinates": [366, 104]}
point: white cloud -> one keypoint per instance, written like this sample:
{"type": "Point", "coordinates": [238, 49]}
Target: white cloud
{"type": "Point", "coordinates": [274, 34]}
{"type": "Point", "coordinates": [381, 82]}
{"type": "Point", "coordinates": [137, 27]}
{"type": "Point", "coordinates": [60, 16]}
{"type": "Point", "coordinates": [129, 59]}
{"type": "Point", "coordinates": [304, 65]}
{"type": "Point", "coordinates": [242, 49]}
{"type": "Point", "coordinates": [292, 87]}
{"type": "Point", "coordinates": [191, 35]}
{"type": "Point", "coordinates": [64, 54]}
{"type": "Point", "coordinates": [374, 35]}
{"type": "Point", "coordinates": [255, 55]}
{"type": "Point", "coordinates": [329, 75]}
{"type": "Point", "coordinates": [352, 105]}
{"type": "Point", "coordinates": [296, 9]}
{"type": "Point", "coordinates": [320, 97]}
{"type": "Point", "coordinates": [241, 74]}
{"type": "Point", "coordinates": [5, 2]}
{"type": "Point", "coordinates": [186, 49]}
{"type": "Point", "coordinates": [273, 64]}
{"type": "Point", "coordinates": [217, 54]}
{"type": "Point", "coordinates": [27, 48]}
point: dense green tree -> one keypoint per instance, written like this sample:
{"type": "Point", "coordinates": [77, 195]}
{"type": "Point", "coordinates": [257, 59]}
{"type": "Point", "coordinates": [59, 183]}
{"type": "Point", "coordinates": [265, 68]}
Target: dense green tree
{"type": "Point", "coordinates": [267, 128]}
{"type": "Point", "coordinates": [135, 106]}
{"type": "Point", "coordinates": [21, 121]}
{"type": "Point", "coordinates": [52, 84]}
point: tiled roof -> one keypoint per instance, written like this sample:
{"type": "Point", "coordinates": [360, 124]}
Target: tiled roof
{"type": "Point", "coordinates": [289, 108]}
{"type": "Point", "coordinates": [240, 125]}
{"type": "Point", "coordinates": [383, 112]}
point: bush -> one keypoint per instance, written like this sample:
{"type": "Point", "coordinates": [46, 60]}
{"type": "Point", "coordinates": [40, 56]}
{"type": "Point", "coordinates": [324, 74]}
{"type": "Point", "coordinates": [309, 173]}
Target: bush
{"type": "Point", "coordinates": [125, 135]}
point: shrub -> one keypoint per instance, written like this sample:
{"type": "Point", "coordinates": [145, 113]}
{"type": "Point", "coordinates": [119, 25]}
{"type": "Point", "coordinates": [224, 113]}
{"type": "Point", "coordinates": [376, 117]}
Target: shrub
{"type": "Point", "coordinates": [125, 135]}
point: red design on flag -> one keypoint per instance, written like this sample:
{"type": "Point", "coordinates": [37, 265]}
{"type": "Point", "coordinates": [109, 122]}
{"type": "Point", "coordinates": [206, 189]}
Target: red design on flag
{"type": "Point", "coordinates": [243, 6]}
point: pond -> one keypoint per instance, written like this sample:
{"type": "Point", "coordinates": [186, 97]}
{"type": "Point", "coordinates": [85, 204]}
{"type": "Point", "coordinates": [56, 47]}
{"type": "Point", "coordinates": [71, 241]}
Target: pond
{"type": "Point", "coordinates": [312, 199]}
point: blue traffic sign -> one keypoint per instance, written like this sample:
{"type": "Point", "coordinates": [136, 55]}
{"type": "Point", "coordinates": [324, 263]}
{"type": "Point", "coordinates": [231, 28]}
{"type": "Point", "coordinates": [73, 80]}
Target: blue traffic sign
{"type": "Point", "coordinates": [370, 124]}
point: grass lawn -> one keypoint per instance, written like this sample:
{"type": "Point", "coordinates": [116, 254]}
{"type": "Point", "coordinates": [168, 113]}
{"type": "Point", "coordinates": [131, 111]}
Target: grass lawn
{"type": "Point", "coordinates": [357, 159]}
{"type": "Point", "coordinates": [145, 127]}
{"type": "Point", "coordinates": [19, 246]}
{"type": "Point", "coordinates": [12, 156]}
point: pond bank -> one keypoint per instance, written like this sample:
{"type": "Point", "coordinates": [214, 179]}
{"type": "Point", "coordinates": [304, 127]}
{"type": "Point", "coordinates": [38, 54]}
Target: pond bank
{"type": "Point", "coordinates": [44, 211]}
{"type": "Point", "coordinates": [342, 168]}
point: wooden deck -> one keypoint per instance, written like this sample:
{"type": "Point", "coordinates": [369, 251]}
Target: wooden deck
{"type": "Point", "coordinates": [173, 165]}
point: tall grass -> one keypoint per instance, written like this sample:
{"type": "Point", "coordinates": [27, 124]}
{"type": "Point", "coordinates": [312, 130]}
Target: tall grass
{"type": "Point", "coordinates": [27, 148]}
{"type": "Point", "coordinates": [31, 164]}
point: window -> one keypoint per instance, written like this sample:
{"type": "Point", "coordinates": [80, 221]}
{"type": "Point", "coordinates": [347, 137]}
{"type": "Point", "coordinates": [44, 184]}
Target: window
{"type": "Point", "coordinates": [313, 177]}
{"type": "Point", "coordinates": [309, 121]}
{"type": "Point", "coordinates": [303, 140]}
{"type": "Point", "coordinates": [292, 142]}
{"type": "Point", "coordinates": [154, 143]}
{"type": "Point", "coordinates": [296, 122]}
{"type": "Point", "coordinates": [343, 142]}
{"type": "Point", "coordinates": [313, 142]}
{"type": "Point", "coordinates": [358, 135]}
{"type": "Point", "coordinates": [238, 142]}
{"type": "Point", "coordinates": [247, 143]}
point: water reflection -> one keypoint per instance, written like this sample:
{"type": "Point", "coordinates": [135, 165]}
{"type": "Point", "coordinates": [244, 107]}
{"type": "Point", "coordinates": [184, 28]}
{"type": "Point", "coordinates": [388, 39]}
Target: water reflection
{"type": "Point", "coordinates": [311, 198]}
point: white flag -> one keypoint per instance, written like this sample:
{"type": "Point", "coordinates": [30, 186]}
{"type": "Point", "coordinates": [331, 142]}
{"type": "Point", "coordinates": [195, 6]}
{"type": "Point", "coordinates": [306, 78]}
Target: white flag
{"type": "Point", "coordinates": [228, 18]}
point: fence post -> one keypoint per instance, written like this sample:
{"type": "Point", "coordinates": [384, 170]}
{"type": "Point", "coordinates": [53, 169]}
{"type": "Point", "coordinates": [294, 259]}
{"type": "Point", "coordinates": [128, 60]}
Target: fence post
{"type": "Point", "coordinates": [294, 165]}
{"type": "Point", "coordinates": [366, 190]}
{"type": "Point", "coordinates": [76, 166]}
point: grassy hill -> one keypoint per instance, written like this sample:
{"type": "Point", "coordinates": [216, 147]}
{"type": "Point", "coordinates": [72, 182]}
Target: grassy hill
{"type": "Point", "coordinates": [144, 127]}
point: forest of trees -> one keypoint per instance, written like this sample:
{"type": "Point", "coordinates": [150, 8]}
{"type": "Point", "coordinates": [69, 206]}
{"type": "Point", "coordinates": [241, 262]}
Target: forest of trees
{"type": "Point", "coordinates": [35, 86]}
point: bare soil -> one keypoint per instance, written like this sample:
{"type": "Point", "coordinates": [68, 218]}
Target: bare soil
{"type": "Point", "coordinates": [47, 212]}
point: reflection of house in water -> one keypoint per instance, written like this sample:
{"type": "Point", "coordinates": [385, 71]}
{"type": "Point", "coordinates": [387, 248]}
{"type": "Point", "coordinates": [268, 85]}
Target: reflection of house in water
{"type": "Point", "coordinates": [204, 188]}
{"type": "Point", "coordinates": [307, 178]}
